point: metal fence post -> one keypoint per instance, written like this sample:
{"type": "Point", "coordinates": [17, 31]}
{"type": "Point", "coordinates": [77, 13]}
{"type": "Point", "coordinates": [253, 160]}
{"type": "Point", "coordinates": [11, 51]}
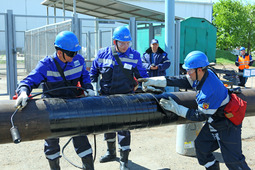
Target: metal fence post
{"type": "Point", "coordinates": [151, 33]}
{"type": "Point", "coordinates": [96, 37]}
{"type": "Point", "coordinates": [100, 39]}
{"type": "Point", "coordinates": [169, 38]}
{"type": "Point", "coordinates": [11, 54]}
{"type": "Point", "coordinates": [112, 30]}
{"type": "Point", "coordinates": [76, 27]}
{"type": "Point", "coordinates": [133, 31]}
{"type": "Point", "coordinates": [177, 50]}
{"type": "Point", "coordinates": [88, 45]}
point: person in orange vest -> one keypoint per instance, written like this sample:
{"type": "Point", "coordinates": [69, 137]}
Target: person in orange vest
{"type": "Point", "coordinates": [243, 61]}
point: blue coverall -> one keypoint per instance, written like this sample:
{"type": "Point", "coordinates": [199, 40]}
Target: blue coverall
{"type": "Point", "coordinates": [114, 81]}
{"type": "Point", "coordinates": [157, 59]}
{"type": "Point", "coordinates": [46, 73]}
{"type": "Point", "coordinates": [218, 131]}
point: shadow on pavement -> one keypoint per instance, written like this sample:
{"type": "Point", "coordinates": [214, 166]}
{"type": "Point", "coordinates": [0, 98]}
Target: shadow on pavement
{"type": "Point", "coordinates": [135, 166]}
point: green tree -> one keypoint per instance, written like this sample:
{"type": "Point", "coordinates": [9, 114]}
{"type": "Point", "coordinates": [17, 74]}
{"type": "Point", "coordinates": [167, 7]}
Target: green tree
{"type": "Point", "coordinates": [235, 23]}
{"type": "Point", "coordinates": [249, 40]}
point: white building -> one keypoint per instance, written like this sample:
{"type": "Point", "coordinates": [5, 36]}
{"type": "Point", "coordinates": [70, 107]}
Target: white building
{"type": "Point", "coordinates": [183, 8]}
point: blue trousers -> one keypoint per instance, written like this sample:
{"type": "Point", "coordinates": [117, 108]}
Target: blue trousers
{"type": "Point", "coordinates": [228, 140]}
{"type": "Point", "coordinates": [242, 79]}
{"type": "Point", "coordinates": [123, 139]}
{"type": "Point", "coordinates": [80, 143]}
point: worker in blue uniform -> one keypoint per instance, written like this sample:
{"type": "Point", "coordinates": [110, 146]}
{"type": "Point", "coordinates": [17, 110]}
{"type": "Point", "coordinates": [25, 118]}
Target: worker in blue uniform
{"type": "Point", "coordinates": [47, 72]}
{"type": "Point", "coordinates": [212, 97]}
{"type": "Point", "coordinates": [117, 78]}
{"type": "Point", "coordinates": [155, 60]}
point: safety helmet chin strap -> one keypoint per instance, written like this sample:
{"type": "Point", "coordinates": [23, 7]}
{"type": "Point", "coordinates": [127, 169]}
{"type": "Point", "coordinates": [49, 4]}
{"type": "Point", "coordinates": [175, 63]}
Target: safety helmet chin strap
{"type": "Point", "coordinates": [203, 68]}
{"type": "Point", "coordinates": [196, 74]}
{"type": "Point", "coordinates": [117, 46]}
{"type": "Point", "coordinates": [63, 53]}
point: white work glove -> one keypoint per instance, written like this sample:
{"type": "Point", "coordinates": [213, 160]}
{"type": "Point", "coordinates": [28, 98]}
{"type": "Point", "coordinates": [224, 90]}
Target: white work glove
{"type": "Point", "coordinates": [159, 81]}
{"type": "Point", "coordinates": [22, 100]}
{"type": "Point", "coordinates": [151, 89]}
{"type": "Point", "coordinates": [172, 106]}
{"type": "Point", "coordinates": [148, 83]}
{"type": "Point", "coordinates": [89, 92]}
{"type": "Point", "coordinates": [94, 84]}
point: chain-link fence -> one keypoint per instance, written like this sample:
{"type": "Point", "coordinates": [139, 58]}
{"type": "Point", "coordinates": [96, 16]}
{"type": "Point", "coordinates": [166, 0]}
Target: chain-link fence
{"type": "Point", "coordinates": [39, 42]}
{"type": "Point", "coordinates": [96, 34]}
{"type": "Point", "coordinates": [34, 36]}
{"type": "Point", "coordinates": [3, 72]}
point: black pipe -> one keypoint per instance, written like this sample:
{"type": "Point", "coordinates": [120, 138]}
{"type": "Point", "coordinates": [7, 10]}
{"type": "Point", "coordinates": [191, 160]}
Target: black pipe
{"type": "Point", "coordinates": [52, 117]}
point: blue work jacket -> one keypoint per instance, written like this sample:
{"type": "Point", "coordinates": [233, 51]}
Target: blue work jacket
{"type": "Point", "coordinates": [158, 59]}
{"type": "Point", "coordinates": [113, 80]}
{"type": "Point", "coordinates": [46, 72]}
{"type": "Point", "coordinates": [212, 97]}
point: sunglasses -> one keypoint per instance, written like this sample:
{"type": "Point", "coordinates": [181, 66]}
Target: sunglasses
{"type": "Point", "coordinates": [70, 53]}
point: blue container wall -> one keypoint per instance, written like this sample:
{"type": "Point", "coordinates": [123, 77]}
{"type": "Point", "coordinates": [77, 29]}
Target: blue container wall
{"type": "Point", "coordinates": [196, 34]}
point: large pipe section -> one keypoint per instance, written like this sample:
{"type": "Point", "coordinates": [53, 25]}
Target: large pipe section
{"type": "Point", "coordinates": [53, 117]}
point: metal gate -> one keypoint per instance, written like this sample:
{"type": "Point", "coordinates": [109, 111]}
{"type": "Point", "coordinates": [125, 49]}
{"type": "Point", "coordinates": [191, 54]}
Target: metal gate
{"type": "Point", "coordinates": [30, 38]}
{"type": "Point", "coordinates": [3, 61]}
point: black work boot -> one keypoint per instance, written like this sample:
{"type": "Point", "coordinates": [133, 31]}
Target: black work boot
{"type": "Point", "coordinates": [110, 154]}
{"type": "Point", "coordinates": [215, 166]}
{"type": "Point", "coordinates": [124, 159]}
{"type": "Point", "coordinates": [54, 164]}
{"type": "Point", "coordinates": [87, 163]}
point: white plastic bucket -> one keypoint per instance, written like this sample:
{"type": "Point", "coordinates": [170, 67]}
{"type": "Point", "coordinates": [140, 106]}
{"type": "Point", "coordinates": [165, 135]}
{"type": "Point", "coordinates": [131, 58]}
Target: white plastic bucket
{"type": "Point", "coordinates": [186, 135]}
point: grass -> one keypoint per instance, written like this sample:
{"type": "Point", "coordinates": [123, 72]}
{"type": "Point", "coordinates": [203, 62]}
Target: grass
{"type": "Point", "coordinates": [18, 61]}
{"type": "Point", "coordinates": [225, 57]}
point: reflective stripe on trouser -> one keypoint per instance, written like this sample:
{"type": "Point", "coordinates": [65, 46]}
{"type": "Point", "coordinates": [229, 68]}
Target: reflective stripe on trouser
{"type": "Point", "coordinates": [81, 145]}
{"type": "Point", "coordinates": [123, 139]}
{"type": "Point", "coordinates": [230, 145]}
{"type": "Point", "coordinates": [52, 148]}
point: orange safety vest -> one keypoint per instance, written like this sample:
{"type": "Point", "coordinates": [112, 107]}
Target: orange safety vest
{"type": "Point", "coordinates": [244, 62]}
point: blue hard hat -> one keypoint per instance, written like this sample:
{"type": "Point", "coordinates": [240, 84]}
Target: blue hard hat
{"type": "Point", "coordinates": [195, 59]}
{"type": "Point", "coordinates": [67, 40]}
{"type": "Point", "coordinates": [242, 48]}
{"type": "Point", "coordinates": [121, 33]}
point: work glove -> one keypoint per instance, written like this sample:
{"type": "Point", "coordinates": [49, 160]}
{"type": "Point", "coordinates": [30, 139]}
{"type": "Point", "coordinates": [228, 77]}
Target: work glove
{"type": "Point", "coordinates": [172, 106]}
{"type": "Point", "coordinates": [94, 84]}
{"type": "Point", "coordinates": [148, 84]}
{"type": "Point", "coordinates": [22, 100]}
{"type": "Point", "coordinates": [151, 89]}
{"type": "Point", "coordinates": [237, 63]}
{"type": "Point", "coordinates": [89, 92]}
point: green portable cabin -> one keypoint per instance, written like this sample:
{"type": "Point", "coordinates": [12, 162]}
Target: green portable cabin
{"type": "Point", "coordinates": [197, 34]}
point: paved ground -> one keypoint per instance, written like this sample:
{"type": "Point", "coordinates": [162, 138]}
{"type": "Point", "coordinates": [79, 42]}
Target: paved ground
{"type": "Point", "coordinates": [152, 148]}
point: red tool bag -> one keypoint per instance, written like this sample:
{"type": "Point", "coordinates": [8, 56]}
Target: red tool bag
{"type": "Point", "coordinates": [235, 109]}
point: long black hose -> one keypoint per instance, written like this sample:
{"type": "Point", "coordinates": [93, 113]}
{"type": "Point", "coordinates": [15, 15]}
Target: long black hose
{"type": "Point", "coordinates": [59, 88]}
{"type": "Point", "coordinates": [63, 149]}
